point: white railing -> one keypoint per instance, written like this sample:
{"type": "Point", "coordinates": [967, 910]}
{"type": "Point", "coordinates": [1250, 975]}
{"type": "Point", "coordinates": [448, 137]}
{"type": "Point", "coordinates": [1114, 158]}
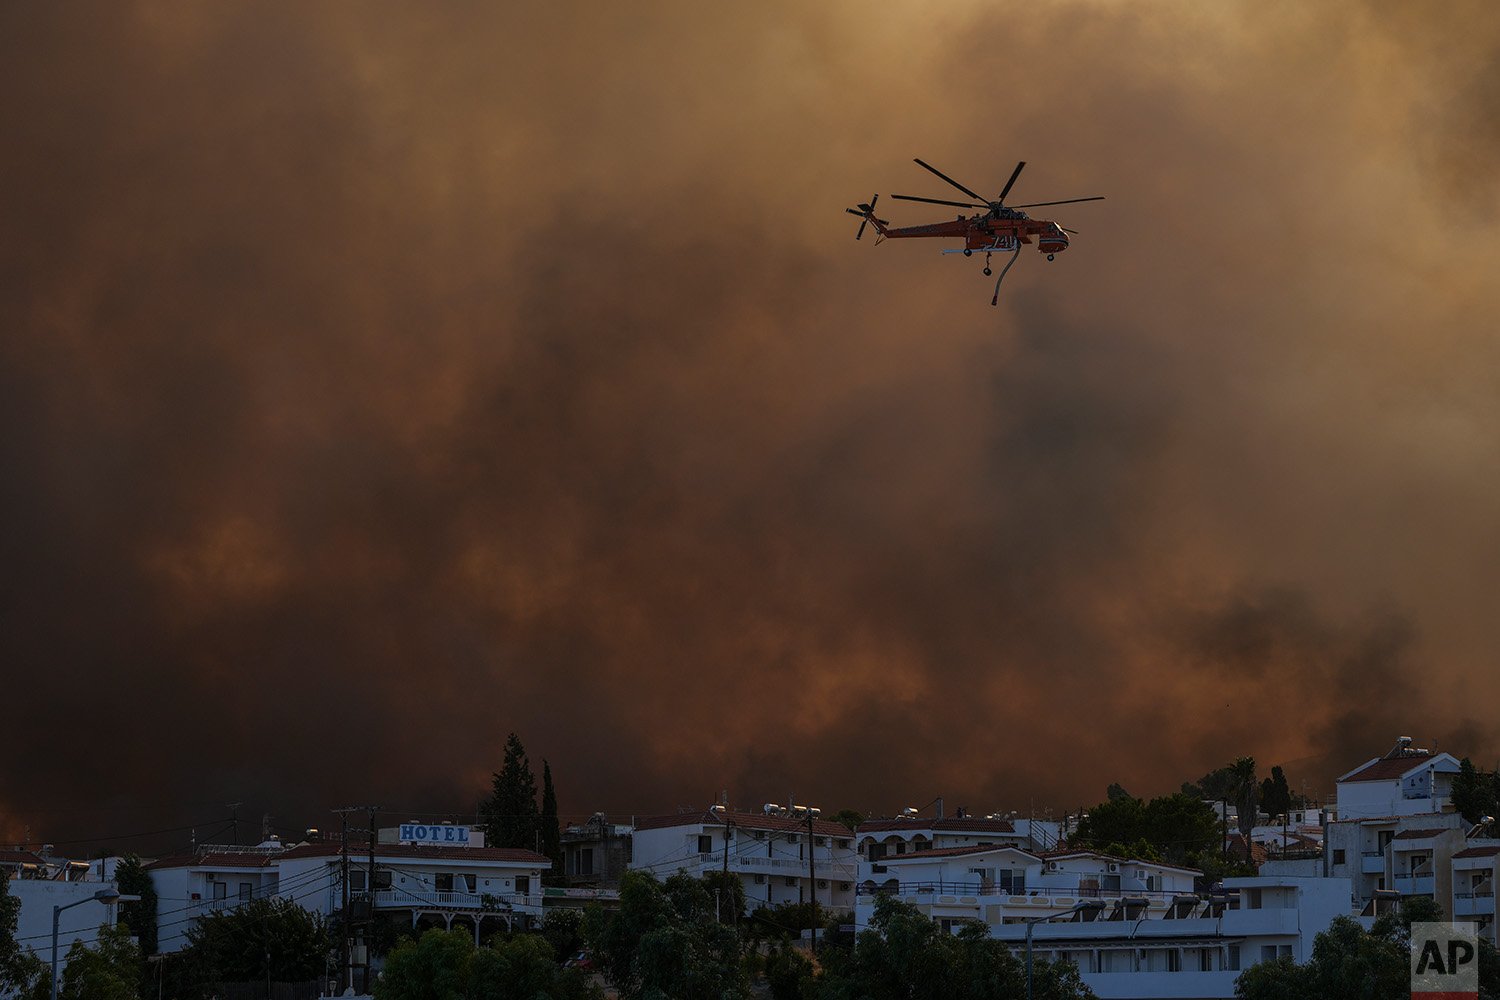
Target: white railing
{"type": "Point", "coordinates": [834, 870]}
{"type": "Point", "coordinates": [431, 899]}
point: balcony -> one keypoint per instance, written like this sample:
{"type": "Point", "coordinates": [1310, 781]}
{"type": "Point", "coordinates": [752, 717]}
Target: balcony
{"type": "Point", "coordinates": [1479, 903]}
{"type": "Point", "coordinates": [1372, 862]}
{"type": "Point", "coordinates": [1039, 895]}
{"type": "Point", "coordinates": [793, 867]}
{"type": "Point", "coordinates": [204, 907]}
{"type": "Point", "coordinates": [1416, 884]}
{"type": "Point", "coordinates": [428, 899]}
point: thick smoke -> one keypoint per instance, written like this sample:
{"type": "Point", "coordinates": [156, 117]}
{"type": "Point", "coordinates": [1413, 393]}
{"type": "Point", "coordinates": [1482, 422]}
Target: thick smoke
{"type": "Point", "coordinates": [377, 380]}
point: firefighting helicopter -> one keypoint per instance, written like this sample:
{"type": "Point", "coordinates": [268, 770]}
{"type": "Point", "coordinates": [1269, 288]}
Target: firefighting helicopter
{"type": "Point", "coordinates": [1001, 228]}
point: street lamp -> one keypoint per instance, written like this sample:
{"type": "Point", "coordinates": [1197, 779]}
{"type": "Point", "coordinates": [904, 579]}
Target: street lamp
{"type": "Point", "coordinates": [105, 896]}
{"type": "Point", "coordinates": [1094, 905]}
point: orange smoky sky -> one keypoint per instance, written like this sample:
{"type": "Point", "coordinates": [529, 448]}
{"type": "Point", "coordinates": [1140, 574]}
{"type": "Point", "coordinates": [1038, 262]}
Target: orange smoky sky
{"type": "Point", "coordinates": [380, 378]}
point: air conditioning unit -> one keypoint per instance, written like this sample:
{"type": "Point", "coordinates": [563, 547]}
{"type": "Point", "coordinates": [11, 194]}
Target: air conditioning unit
{"type": "Point", "coordinates": [822, 883]}
{"type": "Point", "coordinates": [1114, 866]}
{"type": "Point", "coordinates": [760, 880]}
{"type": "Point", "coordinates": [1052, 866]}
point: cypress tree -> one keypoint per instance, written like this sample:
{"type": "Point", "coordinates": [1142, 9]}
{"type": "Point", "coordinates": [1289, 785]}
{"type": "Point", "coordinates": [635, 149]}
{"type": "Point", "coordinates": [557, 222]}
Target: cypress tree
{"type": "Point", "coordinates": [551, 830]}
{"type": "Point", "coordinates": [510, 814]}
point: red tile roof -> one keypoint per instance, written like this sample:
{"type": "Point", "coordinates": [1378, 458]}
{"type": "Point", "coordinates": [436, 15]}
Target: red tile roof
{"type": "Point", "coordinates": [9, 857]}
{"type": "Point", "coordinates": [745, 821]}
{"type": "Point", "coordinates": [330, 849]}
{"type": "Point", "coordinates": [1420, 834]}
{"type": "Point", "coordinates": [952, 852]}
{"type": "Point", "coordinates": [1478, 852]}
{"type": "Point", "coordinates": [214, 859]}
{"type": "Point", "coordinates": [947, 825]}
{"type": "Point", "coordinates": [1391, 768]}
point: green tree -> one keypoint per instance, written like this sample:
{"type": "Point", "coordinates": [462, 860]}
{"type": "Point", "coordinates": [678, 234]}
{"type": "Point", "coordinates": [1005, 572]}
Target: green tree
{"type": "Point", "coordinates": [1473, 792]}
{"type": "Point", "coordinates": [551, 829]}
{"type": "Point", "coordinates": [1246, 793]}
{"type": "Point", "coordinates": [849, 817]}
{"type": "Point", "coordinates": [662, 942]}
{"type": "Point", "coordinates": [1349, 963]}
{"type": "Point", "coordinates": [510, 815]}
{"type": "Point", "coordinates": [110, 970]}
{"type": "Point", "coordinates": [905, 956]}
{"type": "Point", "coordinates": [1173, 828]}
{"type": "Point", "coordinates": [140, 917]}
{"type": "Point", "coordinates": [19, 968]}
{"type": "Point", "coordinates": [1116, 792]}
{"type": "Point", "coordinates": [261, 938]}
{"type": "Point", "coordinates": [562, 927]}
{"type": "Point", "coordinates": [433, 967]}
{"type": "Point", "coordinates": [1275, 794]}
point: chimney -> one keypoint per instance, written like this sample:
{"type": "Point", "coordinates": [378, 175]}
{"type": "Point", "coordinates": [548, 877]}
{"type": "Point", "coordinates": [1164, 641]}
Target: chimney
{"type": "Point", "coordinates": [939, 807]}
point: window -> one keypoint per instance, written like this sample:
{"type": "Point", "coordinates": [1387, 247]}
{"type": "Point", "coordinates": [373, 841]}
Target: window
{"type": "Point", "coordinates": [900, 847]}
{"type": "Point", "coordinates": [523, 884]}
{"type": "Point", "coordinates": [244, 892]}
{"type": "Point", "coordinates": [221, 889]}
{"type": "Point", "coordinates": [1174, 960]}
{"type": "Point", "coordinates": [586, 861]}
{"type": "Point", "coordinates": [760, 835]}
{"type": "Point", "coordinates": [705, 843]}
{"type": "Point", "coordinates": [443, 882]}
{"type": "Point", "coordinates": [790, 881]}
{"type": "Point", "coordinates": [791, 838]}
{"type": "Point", "coordinates": [1234, 958]}
{"type": "Point", "coordinates": [1284, 950]}
{"type": "Point", "coordinates": [1268, 953]}
{"type": "Point", "coordinates": [357, 880]}
{"type": "Point", "coordinates": [1338, 857]}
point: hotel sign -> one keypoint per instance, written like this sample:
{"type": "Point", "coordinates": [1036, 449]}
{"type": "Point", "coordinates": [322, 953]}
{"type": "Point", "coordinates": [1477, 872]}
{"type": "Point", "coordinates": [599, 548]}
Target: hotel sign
{"type": "Point", "coordinates": [441, 835]}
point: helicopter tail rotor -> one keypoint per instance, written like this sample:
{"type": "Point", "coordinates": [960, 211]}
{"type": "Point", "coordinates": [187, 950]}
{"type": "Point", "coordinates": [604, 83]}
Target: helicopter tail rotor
{"type": "Point", "coordinates": [866, 212]}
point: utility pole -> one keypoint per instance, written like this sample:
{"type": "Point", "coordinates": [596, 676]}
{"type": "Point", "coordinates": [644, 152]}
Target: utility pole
{"type": "Point", "coordinates": [344, 972]}
{"type": "Point", "coordinates": [812, 884]}
{"type": "Point", "coordinates": [728, 827]}
{"type": "Point", "coordinates": [234, 820]}
{"type": "Point", "coordinates": [1224, 827]}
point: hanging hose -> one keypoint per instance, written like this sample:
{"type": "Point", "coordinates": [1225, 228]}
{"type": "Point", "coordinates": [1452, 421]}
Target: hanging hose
{"type": "Point", "coordinates": [1013, 258]}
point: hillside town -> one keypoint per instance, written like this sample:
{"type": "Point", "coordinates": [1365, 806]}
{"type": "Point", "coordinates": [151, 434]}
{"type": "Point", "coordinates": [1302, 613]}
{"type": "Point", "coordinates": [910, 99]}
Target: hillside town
{"type": "Point", "coordinates": [1209, 890]}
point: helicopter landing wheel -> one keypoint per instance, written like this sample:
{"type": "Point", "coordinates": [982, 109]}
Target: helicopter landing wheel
{"type": "Point", "coordinates": [968, 252]}
{"type": "Point", "coordinates": [1051, 256]}
{"type": "Point", "coordinates": [988, 272]}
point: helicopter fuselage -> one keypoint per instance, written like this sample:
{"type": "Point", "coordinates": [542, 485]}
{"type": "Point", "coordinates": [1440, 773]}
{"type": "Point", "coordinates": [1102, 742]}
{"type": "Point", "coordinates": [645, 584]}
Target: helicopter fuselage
{"type": "Point", "coordinates": [990, 231]}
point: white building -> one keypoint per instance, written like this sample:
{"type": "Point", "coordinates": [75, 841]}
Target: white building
{"type": "Point", "coordinates": [1406, 781]}
{"type": "Point", "coordinates": [768, 851]}
{"type": "Point", "coordinates": [1146, 933]}
{"type": "Point", "coordinates": [881, 838]}
{"type": "Point", "coordinates": [40, 882]}
{"type": "Point", "coordinates": [1476, 872]}
{"type": "Point", "coordinates": [471, 887]}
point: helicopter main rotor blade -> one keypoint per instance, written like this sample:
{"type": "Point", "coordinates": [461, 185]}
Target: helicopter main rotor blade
{"type": "Point", "coordinates": [938, 201]}
{"type": "Point", "coordinates": [1008, 184]}
{"type": "Point", "coordinates": [1067, 230]}
{"type": "Point", "coordinates": [1066, 201]}
{"type": "Point", "coordinates": [950, 180]}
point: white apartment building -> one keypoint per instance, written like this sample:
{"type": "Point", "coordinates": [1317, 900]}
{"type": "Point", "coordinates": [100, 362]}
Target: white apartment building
{"type": "Point", "coordinates": [882, 838]}
{"type": "Point", "coordinates": [448, 886]}
{"type": "Point", "coordinates": [1406, 781]}
{"type": "Point", "coordinates": [1397, 832]}
{"type": "Point", "coordinates": [39, 882]}
{"type": "Point", "coordinates": [1476, 872]}
{"type": "Point", "coordinates": [768, 851]}
{"type": "Point", "coordinates": [1145, 933]}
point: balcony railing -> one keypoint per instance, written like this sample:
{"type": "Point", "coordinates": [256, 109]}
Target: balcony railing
{"type": "Point", "coordinates": [837, 871]}
{"type": "Point", "coordinates": [430, 899]}
{"type": "Point", "coordinates": [1002, 889]}
{"type": "Point", "coordinates": [203, 907]}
